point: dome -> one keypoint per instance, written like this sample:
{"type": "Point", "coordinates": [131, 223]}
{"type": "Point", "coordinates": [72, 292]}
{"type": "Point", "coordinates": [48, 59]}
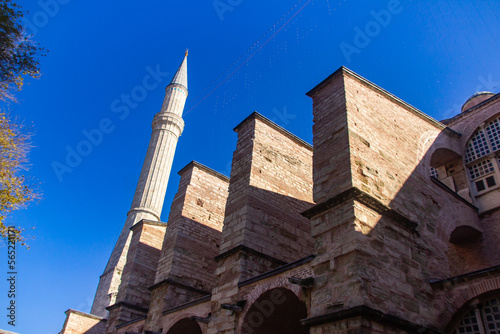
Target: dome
{"type": "Point", "coordinates": [475, 99]}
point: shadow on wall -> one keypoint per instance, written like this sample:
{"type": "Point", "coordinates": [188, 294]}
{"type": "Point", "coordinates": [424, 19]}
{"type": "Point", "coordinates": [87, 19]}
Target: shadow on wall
{"type": "Point", "coordinates": [185, 326]}
{"type": "Point", "coordinates": [411, 229]}
{"type": "Point", "coordinates": [276, 311]}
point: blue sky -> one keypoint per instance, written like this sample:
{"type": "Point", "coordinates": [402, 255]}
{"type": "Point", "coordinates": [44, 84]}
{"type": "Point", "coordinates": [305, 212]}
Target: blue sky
{"type": "Point", "coordinates": [244, 56]}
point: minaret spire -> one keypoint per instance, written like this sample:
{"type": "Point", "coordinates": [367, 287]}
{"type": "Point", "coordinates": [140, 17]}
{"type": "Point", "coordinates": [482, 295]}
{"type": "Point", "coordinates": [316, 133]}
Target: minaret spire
{"type": "Point", "coordinates": [180, 76]}
{"type": "Point", "coordinates": [152, 185]}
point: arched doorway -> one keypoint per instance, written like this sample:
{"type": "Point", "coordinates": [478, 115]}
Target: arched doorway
{"type": "Point", "coordinates": [185, 326]}
{"type": "Point", "coordinates": [277, 311]}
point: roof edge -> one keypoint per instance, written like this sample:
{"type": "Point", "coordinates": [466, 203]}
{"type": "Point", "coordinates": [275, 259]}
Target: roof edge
{"type": "Point", "coordinates": [467, 112]}
{"type": "Point", "coordinates": [256, 115]}
{"type": "Point", "coordinates": [409, 107]}
{"type": "Point", "coordinates": [209, 170]}
{"type": "Point", "coordinates": [88, 315]}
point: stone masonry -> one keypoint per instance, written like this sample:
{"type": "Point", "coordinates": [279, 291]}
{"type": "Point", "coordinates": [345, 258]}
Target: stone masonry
{"type": "Point", "coordinates": [389, 223]}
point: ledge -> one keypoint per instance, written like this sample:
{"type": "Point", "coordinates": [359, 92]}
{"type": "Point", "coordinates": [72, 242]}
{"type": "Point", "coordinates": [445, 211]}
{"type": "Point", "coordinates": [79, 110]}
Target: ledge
{"type": "Point", "coordinates": [366, 199]}
{"type": "Point", "coordinates": [189, 304]}
{"type": "Point", "coordinates": [127, 305]}
{"type": "Point", "coordinates": [276, 271]}
{"type": "Point", "coordinates": [148, 222]}
{"type": "Point", "coordinates": [491, 271]}
{"type": "Point", "coordinates": [488, 212]}
{"type": "Point", "coordinates": [131, 322]}
{"type": "Point", "coordinates": [170, 281]}
{"type": "Point", "coordinates": [371, 314]}
{"type": "Point", "coordinates": [457, 196]}
{"type": "Point", "coordinates": [243, 248]}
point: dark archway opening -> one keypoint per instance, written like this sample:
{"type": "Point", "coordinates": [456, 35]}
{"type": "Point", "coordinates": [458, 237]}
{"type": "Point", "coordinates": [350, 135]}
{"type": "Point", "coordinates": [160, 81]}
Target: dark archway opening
{"type": "Point", "coordinates": [185, 326]}
{"type": "Point", "coordinates": [277, 311]}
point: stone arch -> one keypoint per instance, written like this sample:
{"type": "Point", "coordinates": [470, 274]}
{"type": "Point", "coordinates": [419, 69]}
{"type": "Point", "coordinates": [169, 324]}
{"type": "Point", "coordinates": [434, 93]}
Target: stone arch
{"type": "Point", "coordinates": [448, 167]}
{"type": "Point", "coordinates": [472, 126]}
{"type": "Point", "coordinates": [426, 144]}
{"type": "Point", "coordinates": [443, 155]}
{"type": "Point", "coordinates": [276, 311]}
{"type": "Point", "coordinates": [185, 326]}
{"type": "Point", "coordinates": [451, 301]}
{"type": "Point", "coordinates": [455, 216]}
{"type": "Point", "coordinates": [475, 308]}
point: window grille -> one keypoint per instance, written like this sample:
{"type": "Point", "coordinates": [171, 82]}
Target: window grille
{"type": "Point", "coordinates": [477, 147]}
{"type": "Point", "coordinates": [469, 324]}
{"type": "Point", "coordinates": [488, 317]}
{"type": "Point", "coordinates": [491, 312]}
{"type": "Point", "coordinates": [434, 172]}
{"type": "Point", "coordinates": [493, 131]}
{"type": "Point", "coordinates": [482, 168]}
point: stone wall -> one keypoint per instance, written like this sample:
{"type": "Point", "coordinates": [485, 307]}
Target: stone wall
{"type": "Point", "coordinates": [139, 272]}
{"type": "Point", "coordinates": [271, 184]}
{"type": "Point", "coordinates": [79, 322]}
{"type": "Point", "coordinates": [186, 268]}
{"type": "Point", "coordinates": [376, 241]}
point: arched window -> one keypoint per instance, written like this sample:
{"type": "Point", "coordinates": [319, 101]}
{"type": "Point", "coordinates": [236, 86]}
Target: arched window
{"type": "Point", "coordinates": [481, 318]}
{"type": "Point", "coordinates": [482, 157]}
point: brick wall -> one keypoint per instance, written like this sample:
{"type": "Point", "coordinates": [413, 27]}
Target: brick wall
{"type": "Point", "coordinates": [193, 234]}
{"type": "Point", "coordinates": [186, 268]}
{"type": "Point", "coordinates": [379, 242]}
{"type": "Point", "coordinates": [271, 184]}
{"type": "Point", "coordinates": [139, 272]}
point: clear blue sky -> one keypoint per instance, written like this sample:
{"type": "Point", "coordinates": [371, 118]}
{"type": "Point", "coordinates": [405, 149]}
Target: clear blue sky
{"type": "Point", "coordinates": [256, 55]}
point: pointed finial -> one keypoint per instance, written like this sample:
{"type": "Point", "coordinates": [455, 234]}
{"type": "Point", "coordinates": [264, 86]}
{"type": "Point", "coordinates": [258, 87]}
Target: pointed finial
{"type": "Point", "coordinates": [187, 51]}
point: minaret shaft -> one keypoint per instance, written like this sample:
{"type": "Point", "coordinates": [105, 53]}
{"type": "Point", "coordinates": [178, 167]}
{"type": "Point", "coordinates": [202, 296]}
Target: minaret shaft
{"type": "Point", "coordinates": [151, 187]}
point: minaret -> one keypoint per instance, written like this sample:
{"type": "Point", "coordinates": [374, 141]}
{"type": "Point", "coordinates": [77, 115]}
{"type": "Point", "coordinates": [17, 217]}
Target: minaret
{"type": "Point", "coordinates": [152, 185]}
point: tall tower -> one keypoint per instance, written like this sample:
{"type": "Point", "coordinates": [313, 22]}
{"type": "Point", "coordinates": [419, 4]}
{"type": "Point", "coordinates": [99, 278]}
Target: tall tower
{"type": "Point", "coordinates": [152, 185]}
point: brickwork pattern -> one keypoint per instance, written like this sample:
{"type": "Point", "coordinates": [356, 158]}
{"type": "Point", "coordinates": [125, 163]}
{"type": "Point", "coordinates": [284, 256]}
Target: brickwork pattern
{"type": "Point", "coordinates": [382, 232]}
{"type": "Point", "coordinates": [365, 258]}
{"type": "Point", "coordinates": [192, 240]}
{"type": "Point", "coordinates": [271, 184]}
{"type": "Point", "coordinates": [133, 297]}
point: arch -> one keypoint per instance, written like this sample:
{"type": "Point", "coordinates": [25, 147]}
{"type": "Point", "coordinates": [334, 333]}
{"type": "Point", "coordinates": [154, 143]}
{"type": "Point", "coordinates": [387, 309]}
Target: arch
{"type": "Point", "coordinates": [482, 161]}
{"type": "Point", "coordinates": [469, 127]}
{"type": "Point", "coordinates": [276, 311]}
{"type": "Point", "coordinates": [442, 156]}
{"type": "Point", "coordinates": [452, 219]}
{"type": "Point", "coordinates": [475, 125]}
{"type": "Point", "coordinates": [464, 233]}
{"type": "Point", "coordinates": [185, 326]}
{"type": "Point", "coordinates": [479, 314]}
{"type": "Point", "coordinates": [454, 298]}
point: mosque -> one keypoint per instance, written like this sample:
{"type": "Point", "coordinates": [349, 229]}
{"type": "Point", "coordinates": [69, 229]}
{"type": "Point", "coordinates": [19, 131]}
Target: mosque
{"type": "Point", "coordinates": [388, 223]}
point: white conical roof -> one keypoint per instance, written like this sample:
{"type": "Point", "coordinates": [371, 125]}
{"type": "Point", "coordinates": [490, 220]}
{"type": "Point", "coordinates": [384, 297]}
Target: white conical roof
{"type": "Point", "coordinates": [181, 76]}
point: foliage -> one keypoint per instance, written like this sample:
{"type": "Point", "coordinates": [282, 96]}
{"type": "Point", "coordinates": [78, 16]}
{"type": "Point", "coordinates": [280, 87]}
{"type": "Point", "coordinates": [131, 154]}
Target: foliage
{"type": "Point", "coordinates": [14, 191]}
{"type": "Point", "coordinates": [18, 59]}
{"type": "Point", "coordinates": [18, 54]}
